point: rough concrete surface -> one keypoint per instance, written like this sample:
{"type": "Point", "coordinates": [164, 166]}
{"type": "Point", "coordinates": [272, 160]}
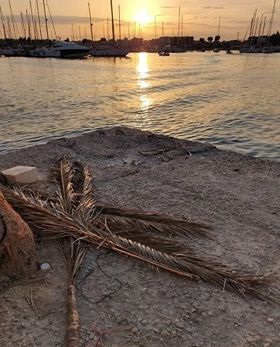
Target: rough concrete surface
{"type": "Point", "coordinates": [131, 303]}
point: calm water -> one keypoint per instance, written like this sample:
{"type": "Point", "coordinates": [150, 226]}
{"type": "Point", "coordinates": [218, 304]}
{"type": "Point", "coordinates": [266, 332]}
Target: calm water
{"type": "Point", "coordinates": [231, 101]}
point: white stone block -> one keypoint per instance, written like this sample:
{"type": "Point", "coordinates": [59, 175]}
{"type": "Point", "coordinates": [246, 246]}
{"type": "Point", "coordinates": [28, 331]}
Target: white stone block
{"type": "Point", "coordinates": [21, 175]}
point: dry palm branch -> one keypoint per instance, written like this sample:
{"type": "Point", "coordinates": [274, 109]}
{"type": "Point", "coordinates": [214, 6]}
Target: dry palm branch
{"type": "Point", "coordinates": [74, 249]}
{"type": "Point", "coordinates": [74, 252]}
{"type": "Point", "coordinates": [133, 234]}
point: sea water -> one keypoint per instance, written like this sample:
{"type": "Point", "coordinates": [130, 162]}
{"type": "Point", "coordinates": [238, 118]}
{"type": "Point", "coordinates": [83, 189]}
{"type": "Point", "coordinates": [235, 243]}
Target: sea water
{"type": "Point", "coordinates": [231, 101]}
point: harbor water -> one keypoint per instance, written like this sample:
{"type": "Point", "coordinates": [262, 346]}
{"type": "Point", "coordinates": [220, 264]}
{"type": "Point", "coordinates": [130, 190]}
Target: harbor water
{"type": "Point", "coordinates": [231, 101]}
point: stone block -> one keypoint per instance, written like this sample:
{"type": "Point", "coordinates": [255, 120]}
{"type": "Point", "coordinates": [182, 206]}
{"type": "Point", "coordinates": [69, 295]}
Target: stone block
{"type": "Point", "coordinates": [21, 175]}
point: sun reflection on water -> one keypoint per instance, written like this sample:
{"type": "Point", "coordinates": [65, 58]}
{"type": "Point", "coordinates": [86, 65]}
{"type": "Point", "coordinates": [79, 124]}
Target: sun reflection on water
{"type": "Point", "coordinates": [143, 75]}
{"type": "Point", "coordinates": [145, 102]}
{"type": "Point", "coordinates": [143, 71]}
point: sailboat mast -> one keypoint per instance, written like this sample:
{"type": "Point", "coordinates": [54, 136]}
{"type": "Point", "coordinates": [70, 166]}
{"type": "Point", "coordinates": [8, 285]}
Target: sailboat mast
{"type": "Point", "coordinates": [120, 31]}
{"type": "Point", "coordinates": [33, 21]}
{"type": "Point", "coordinates": [10, 35]}
{"type": "Point", "coordinates": [112, 19]}
{"type": "Point", "coordinates": [260, 26]}
{"type": "Point", "coordinates": [219, 26]}
{"type": "Point", "coordinates": [271, 19]}
{"type": "Point", "coordinates": [252, 27]}
{"type": "Point", "coordinates": [39, 20]}
{"type": "Point", "coordinates": [256, 27]}
{"type": "Point", "coordinates": [23, 25]}
{"type": "Point", "coordinates": [55, 35]}
{"type": "Point", "coordinates": [3, 23]}
{"type": "Point", "coordinates": [179, 19]}
{"type": "Point", "coordinates": [13, 21]}
{"type": "Point", "coordinates": [28, 25]}
{"type": "Point", "coordinates": [90, 22]}
{"type": "Point", "coordinates": [264, 24]}
{"type": "Point", "coordinates": [46, 20]}
{"type": "Point", "coordinates": [108, 31]}
{"type": "Point", "coordinates": [80, 35]}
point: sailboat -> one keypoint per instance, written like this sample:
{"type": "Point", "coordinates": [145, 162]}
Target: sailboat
{"type": "Point", "coordinates": [107, 48]}
{"type": "Point", "coordinates": [258, 48]}
{"type": "Point", "coordinates": [57, 49]}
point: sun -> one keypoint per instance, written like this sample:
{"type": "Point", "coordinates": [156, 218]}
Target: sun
{"type": "Point", "coordinates": [142, 17]}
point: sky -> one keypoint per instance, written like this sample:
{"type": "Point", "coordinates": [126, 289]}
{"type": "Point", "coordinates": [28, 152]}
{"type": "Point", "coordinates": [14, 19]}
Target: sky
{"type": "Point", "coordinates": [150, 18]}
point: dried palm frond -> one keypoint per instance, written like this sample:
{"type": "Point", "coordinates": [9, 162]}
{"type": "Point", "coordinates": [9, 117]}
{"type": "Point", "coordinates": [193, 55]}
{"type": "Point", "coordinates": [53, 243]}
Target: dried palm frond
{"type": "Point", "coordinates": [83, 187]}
{"type": "Point", "coordinates": [17, 247]}
{"type": "Point", "coordinates": [74, 252]}
{"type": "Point", "coordinates": [74, 188]}
{"type": "Point", "coordinates": [185, 264]}
{"type": "Point", "coordinates": [56, 223]}
{"type": "Point", "coordinates": [64, 177]}
{"type": "Point", "coordinates": [122, 219]}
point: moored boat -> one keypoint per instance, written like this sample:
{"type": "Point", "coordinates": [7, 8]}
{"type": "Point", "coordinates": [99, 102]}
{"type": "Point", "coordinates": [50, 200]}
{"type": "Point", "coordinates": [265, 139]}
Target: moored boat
{"type": "Point", "coordinates": [61, 49]}
{"type": "Point", "coordinates": [262, 44]}
{"type": "Point", "coordinates": [163, 53]}
{"type": "Point", "coordinates": [107, 48]}
{"type": "Point", "coordinates": [251, 49]}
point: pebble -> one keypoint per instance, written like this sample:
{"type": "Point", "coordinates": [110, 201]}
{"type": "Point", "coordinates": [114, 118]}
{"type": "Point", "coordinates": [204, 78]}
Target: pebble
{"type": "Point", "coordinates": [270, 320]}
{"type": "Point", "coordinates": [165, 334]}
{"type": "Point", "coordinates": [45, 267]}
{"type": "Point", "coordinates": [180, 325]}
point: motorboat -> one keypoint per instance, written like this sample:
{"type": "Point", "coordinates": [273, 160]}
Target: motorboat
{"type": "Point", "coordinates": [163, 53]}
{"type": "Point", "coordinates": [11, 52]}
{"type": "Point", "coordinates": [61, 49]}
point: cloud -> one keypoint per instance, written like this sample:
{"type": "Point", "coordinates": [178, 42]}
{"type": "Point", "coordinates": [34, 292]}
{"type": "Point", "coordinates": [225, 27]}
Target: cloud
{"type": "Point", "coordinates": [75, 19]}
{"type": "Point", "coordinates": [214, 8]}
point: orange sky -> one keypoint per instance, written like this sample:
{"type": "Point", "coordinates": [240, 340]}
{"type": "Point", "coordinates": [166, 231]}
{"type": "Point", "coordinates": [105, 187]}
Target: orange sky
{"type": "Point", "coordinates": [199, 17]}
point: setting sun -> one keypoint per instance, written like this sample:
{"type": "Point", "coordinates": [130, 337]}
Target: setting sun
{"type": "Point", "coordinates": [142, 17]}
